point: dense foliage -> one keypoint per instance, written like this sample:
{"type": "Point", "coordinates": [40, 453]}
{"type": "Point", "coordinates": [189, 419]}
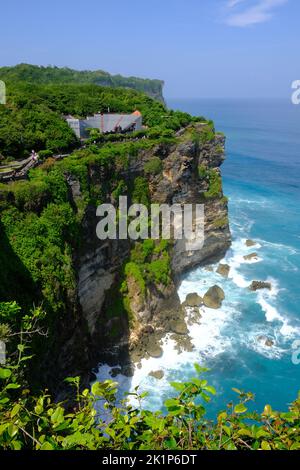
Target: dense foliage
{"type": "Point", "coordinates": [37, 422]}
{"type": "Point", "coordinates": [33, 116]}
{"type": "Point", "coordinates": [39, 74]}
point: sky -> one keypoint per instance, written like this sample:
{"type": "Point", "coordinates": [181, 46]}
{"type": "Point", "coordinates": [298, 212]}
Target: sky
{"type": "Point", "coordinates": [200, 48]}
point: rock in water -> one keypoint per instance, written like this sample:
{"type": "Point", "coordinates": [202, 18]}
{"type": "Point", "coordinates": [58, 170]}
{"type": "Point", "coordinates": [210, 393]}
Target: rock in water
{"type": "Point", "coordinates": [193, 300]}
{"type": "Point", "coordinates": [266, 341]}
{"type": "Point", "coordinates": [214, 297]}
{"type": "Point", "coordinates": [157, 374]}
{"type": "Point", "coordinates": [154, 350]}
{"type": "Point", "coordinates": [179, 327]}
{"type": "Point", "coordinates": [223, 269]}
{"type": "Point", "coordinates": [250, 257]}
{"type": "Point", "coordinates": [250, 243]}
{"type": "Point", "coordinates": [209, 269]}
{"type": "Point", "coordinates": [256, 285]}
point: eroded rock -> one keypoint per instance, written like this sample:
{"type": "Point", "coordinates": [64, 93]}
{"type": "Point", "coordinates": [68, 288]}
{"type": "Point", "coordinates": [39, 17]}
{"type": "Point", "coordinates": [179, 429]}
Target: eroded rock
{"type": "Point", "coordinates": [214, 297]}
{"type": "Point", "coordinates": [223, 269]}
{"type": "Point", "coordinates": [257, 285]}
{"type": "Point", "coordinates": [251, 256]}
{"type": "Point", "coordinates": [154, 350]}
{"type": "Point", "coordinates": [157, 374]}
{"type": "Point", "coordinates": [179, 327]}
{"type": "Point", "coordinates": [193, 300]}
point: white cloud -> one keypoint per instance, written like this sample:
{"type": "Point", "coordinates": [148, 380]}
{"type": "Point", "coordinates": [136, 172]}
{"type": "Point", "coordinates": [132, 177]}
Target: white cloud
{"type": "Point", "coordinates": [233, 3]}
{"type": "Point", "coordinates": [256, 11]}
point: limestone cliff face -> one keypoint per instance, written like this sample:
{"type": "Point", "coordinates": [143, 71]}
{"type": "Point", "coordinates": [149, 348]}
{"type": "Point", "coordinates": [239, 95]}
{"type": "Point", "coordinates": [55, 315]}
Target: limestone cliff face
{"type": "Point", "coordinates": [190, 174]}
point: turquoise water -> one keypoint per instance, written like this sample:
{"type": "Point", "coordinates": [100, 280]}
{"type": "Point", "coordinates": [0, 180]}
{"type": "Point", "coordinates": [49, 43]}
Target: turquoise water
{"type": "Point", "coordinates": [262, 180]}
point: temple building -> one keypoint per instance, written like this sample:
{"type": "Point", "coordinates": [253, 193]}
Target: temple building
{"type": "Point", "coordinates": [106, 123]}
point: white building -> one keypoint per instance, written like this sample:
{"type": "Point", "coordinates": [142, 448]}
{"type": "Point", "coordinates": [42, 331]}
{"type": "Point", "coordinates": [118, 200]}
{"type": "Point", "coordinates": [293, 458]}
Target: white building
{"type": "Point", "coordinates": [106, 123]}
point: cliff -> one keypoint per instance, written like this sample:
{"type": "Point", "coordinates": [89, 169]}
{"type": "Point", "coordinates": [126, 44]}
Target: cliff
{"type": "Point", "coordinates": [190, 173]}
{"type": "Point", "coordinates": [43, 75]}
{"type": "Point", "coordinates": [110, 300]}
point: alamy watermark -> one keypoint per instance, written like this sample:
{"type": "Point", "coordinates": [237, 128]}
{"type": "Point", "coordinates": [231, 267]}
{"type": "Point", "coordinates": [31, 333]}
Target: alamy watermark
{"type": "Point", "coordinates": [178, 222]}
{"type": "Point", "coordinates": [2, 92]}
{"type": "Point", "coordinates": [296, 93]}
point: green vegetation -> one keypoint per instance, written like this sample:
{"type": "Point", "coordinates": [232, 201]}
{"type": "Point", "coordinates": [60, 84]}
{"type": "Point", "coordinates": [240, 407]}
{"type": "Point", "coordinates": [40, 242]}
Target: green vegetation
{"type": "Point", "coordinates": [207, 133]}
{"type": "Point", "coordinates": [140, 193]}
{"type": "Point", "coordinates": [37, 422]}
{"type": "Point", "coordinates": [44, 75]}
{"type": "Point", "coordinates": [202, 171]}
{"type": "Point", "coordinates": [222, 222]}
{"type": "Point", "coordinates": [153, 167]}
{"type": "Point", "coordinates": [151, 261]}
{"type": "Point", "coordinates": [219, 149]}
{"type": "Point", "coordinates": [33, 116]}
{"type": "Point", "coordinates": [213, 177]}
{"type": "Point", "coordinates": [215, 184]}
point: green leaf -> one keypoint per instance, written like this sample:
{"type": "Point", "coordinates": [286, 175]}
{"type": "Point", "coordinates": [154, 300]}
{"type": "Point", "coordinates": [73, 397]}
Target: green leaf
{"type": "Point", "coordinates": [265, 445]}
{"type": "Point", "coordinates": [46, 446]}
{"type": "Point", "coordinates": [262, 433]}
{"type": "Point", "coordinates": [171, 443]}
{"type": "Point", "coordinates": [58, 416]}
{"type": "Point", "coordinates": [245, 432]}
{"type": "Point", "coordinates": [210, 389]}
{"type": "Point", "coordinates": [38, 409]}
{"type": "Point", "coordinates": [97, 389]}
{"type": "Point", "coordinates": [17, 445]}
{"type": "Point", "coordinates": [3, 427]}
{"type": "Point", "coordinates": [222, 416]}
{"type": "Point", "coordinates": [268, 410]}
{"type": "Point", "coordinates": [5, 373]}
{"type": "Point", "coordinates": [227, 429]}
{"type": "Point", "coordinates": [295, 446]}
{"type": "Point", "coordinates": [200, 369]}
{"type": "Point", "coordinates": [171, 402]}
{"type": "Point", "coordinates": [240, 408]}
{"type": "Point", "coordinates": [178, 386]}
{"type": "Point", "coordinates": [12, 386]}
{"type": "Point", "coordinates": [15, 410]}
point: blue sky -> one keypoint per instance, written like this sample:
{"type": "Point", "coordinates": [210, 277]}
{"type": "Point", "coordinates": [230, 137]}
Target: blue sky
{"type": "Point", "coordinates": [201, 48]}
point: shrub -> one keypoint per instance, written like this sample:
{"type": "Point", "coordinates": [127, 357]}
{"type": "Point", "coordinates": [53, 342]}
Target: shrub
{"type": "Point", "coordinates": [215, 185]}
{"type": "Point", "coordinates": [141, 194]}
{"type": "Point", "coordinates": [153, 166]}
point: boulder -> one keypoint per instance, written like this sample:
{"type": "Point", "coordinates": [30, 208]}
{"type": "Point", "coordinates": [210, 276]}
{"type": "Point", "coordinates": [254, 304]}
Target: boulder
{"type": "Point", "coordinates": [157, 374]}
{"type": "Point", "coordinates": [250, 242]}
{"type": "Point", "coordinates": [250, 257]}
{"type": "Point", "coordinates": [179, 327]}
{"type": "Point", "coordinates": [154, 350]}
{"type": "Point", "coordinates": [193, 300]}
{"type": "Point", "coordinates": [214, 297]}
{"type": "Point", "coordinates": [257, 285]}
{"type": "Point", "coordinates": [266, 341]}
{"type": "Point", "coordinates": [115, 371]}
{"type": "Point", "coordinates": [209, 269]}
{"type": "Point", "coordinates": [223, 269]}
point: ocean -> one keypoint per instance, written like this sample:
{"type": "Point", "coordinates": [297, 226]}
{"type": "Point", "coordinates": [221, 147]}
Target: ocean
{"type": "Point", "coordinates": [261, 177]}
